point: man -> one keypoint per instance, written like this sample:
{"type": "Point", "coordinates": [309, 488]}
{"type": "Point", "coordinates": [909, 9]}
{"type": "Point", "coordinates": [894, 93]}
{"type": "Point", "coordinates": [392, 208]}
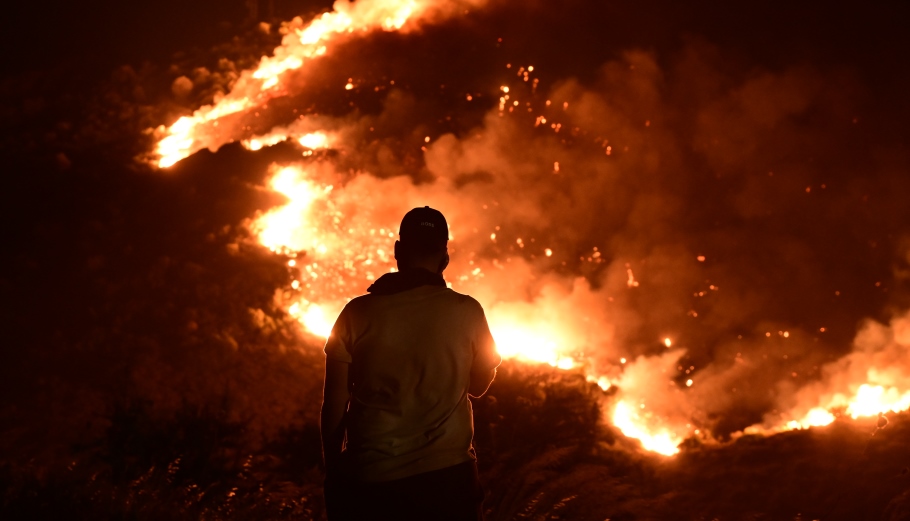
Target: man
{"type": "Point", "coordinates": [401, 361]}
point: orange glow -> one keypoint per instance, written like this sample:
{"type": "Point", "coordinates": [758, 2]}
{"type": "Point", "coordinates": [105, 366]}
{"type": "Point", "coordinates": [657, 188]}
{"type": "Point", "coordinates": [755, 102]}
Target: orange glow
{"type": "Point", "coordinates": [631, 282]}
{"type": "Point", "coordinates": [867, 401]}
{"type": "Point", "coordinates": [256, 87]}
{"type": "Point", "coordinates": [337, 257]}
{"type": "Point", "coordinates": [280, 229]}
{"type": "Point", "coordinates": [603, 382]}
{"type": "Point", "coordinates": [872, 400]}
{"type": "Point", "coordinates": [313, 318]}
{"type": "Point", "coordinates": [314, 140]}
{"type": "Point", "coordinates": [634, 425]}
{"type": "Point", "coordinates": [817, 417]}
{"type": "Point", "coordinates": [337, 251]}
{"type": "Point", "coordinates": [521, 341]}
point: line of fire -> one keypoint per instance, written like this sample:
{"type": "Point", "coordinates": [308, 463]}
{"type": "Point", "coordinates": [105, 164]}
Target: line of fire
{"type": "Point", "coordinates": [688, 227]}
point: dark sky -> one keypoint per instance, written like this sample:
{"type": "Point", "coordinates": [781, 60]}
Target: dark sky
{"type": "Point", "coordinates": [87, 40]}
{"type": "Point", "coordinates": [106, 33]}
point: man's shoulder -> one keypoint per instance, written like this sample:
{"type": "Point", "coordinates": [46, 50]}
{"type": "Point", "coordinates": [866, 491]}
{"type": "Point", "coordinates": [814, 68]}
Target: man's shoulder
{"type": "Point", "coordinates": [464, 299]}
{"type": "Point", "coordinates": [358, 302]}
{"type": "Point", "coordinates": [360, 299]}
{"type": "Point", "coordinates": [450, 296]}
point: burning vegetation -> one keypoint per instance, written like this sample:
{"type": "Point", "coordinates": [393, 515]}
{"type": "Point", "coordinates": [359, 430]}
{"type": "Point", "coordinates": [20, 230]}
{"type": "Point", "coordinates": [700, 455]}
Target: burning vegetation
{"type": "Point", "coordinates": [694, 264]}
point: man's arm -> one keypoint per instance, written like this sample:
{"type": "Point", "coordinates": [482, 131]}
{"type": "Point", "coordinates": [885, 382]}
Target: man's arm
{"type": "Point", "coordinates": [335, 399]}
{"type": "Point", "coordinates": [480, 382]}
{"type": "Point", "coordinates": [486, 359]}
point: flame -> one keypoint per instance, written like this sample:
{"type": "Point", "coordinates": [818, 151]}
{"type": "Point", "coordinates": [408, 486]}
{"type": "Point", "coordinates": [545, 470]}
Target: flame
{"type": "Point", "coordinates": [255, 88]}
{"type": "Point", "coordinates": [867, 382]}
{"type": "Point", "coordinates": [311, 140]}
{"type": "Point", "coordinates": [633, 425]}
{"type": "Point", "coordinates": [867, 401]}
{"type": "Point", "coordinates": [313, 318]}
{"type": "Point", "coordinates": [872, 400]}
{"type": "Point", "coordinates": [816, 417]}
{"type": "Point", "coordinates": [281, 228]}
{"type": "Point", "coordinates": [514, 340]}
{"type": "Point", "coordinates": [314, 140]}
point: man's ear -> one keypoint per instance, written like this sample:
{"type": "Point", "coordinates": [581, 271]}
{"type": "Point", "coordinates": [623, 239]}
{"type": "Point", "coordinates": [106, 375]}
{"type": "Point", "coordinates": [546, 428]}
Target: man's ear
{"type": "Point", "coordinates": [444, 263]}
{"type": "Point", "coordinates": [397, 248]}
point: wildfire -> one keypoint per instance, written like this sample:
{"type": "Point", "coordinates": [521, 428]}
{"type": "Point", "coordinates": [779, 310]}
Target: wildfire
{"type": "Point", "coordinates": [338, 239]}
{"type": "Point", "coordinates": [313, 318]}
{"type": "Point", "coordinates": [256, 87]}
{"type": "Point", "coordinates": [522, 342]}
{"type": "Point", "coordinates": [335, 260]}
{"type": "Point", "coordinates": [634, 425]}
{"type": "Point", "coordinates": [337, 256]}
{"type": "Point", "coordinates": [867, 401]}
{"type": "Point", "coordinates": [872, 400]}
{"type": "Point", "coordinates": [281, 229]}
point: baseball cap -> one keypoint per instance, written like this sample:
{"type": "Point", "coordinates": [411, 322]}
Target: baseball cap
{"type": "Point", "coordinates": [424, 225]}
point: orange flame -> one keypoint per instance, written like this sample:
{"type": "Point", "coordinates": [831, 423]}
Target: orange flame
{"type": "Point", "coordinates": [521, 341]}
{"type": "Point", "coordinates": [280, 228]}
{"type": "Point", "coordinates": [867, 401]}
{"type": "Point", "coordinates": [633, 425]}
{"type": "Point", "coordinates": [870, 381]}
{"type": "Point", "coordinates": [254, 88]}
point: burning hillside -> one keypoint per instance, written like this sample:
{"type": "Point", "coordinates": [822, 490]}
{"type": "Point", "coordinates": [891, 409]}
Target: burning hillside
{"type": "Point", "coordinates": [689, 254]}
{"type": "Point", "coordinates": [559, 195]}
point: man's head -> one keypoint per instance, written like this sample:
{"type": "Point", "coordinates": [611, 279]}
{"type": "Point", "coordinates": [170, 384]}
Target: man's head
{"type": "Point", "coordinates": [423, 236]}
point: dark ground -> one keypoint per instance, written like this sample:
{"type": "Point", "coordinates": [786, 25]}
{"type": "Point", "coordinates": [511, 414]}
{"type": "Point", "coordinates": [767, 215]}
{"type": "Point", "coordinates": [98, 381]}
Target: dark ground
{"type": "Point", "coordinates": [147, 374]}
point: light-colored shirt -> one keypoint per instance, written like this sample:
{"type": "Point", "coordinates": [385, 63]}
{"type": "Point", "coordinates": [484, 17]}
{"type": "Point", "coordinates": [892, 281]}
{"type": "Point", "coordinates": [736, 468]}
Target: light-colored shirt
{"type": "Point", "coordinates": [411, 356]}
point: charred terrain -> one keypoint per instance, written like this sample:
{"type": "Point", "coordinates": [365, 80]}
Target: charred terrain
{"type": "Point", "coordinates": [734, 179]}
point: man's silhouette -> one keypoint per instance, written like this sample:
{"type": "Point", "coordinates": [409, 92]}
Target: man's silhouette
{"type": "Point", "coordinates": [401, 361]}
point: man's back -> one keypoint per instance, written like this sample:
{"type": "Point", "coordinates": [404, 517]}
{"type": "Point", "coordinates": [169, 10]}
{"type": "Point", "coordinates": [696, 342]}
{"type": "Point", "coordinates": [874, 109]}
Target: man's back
{"type": "Point", "coordinates": [396, 420]}
{"type": "Point", "coordinates": [412, 353]}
